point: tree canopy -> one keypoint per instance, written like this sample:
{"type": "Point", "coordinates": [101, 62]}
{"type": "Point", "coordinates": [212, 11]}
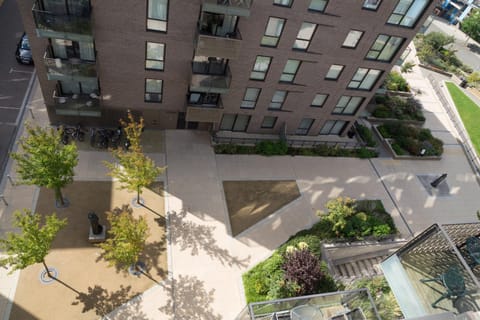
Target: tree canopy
{"type": "Point", "coordinates": [44, 161]}
{"type": "Point", "coordinates": [471, 25]}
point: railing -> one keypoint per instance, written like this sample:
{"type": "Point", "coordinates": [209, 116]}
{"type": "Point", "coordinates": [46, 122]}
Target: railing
{"type": "Point", "coordinates": [211, 83]}
{"type": "Point", "coordinates": [231, 3]}
{"type": "Point", "coordinates": [239, 8]}
{"type": "Point", "coordinates": [470, 152]}
{"type": "Point", "coordinates": [77, 104]}
{"type": "Point", "coordinates": [49, 21]}
{"type": "Point", "coordinates": [58, 68]}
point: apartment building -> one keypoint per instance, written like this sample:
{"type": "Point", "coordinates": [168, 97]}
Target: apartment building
{"type": "Point", "coordinates": [305, 67]}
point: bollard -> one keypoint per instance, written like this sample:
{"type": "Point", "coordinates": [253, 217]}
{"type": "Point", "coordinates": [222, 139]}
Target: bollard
{"type": "Point", "coordinates": [11, 180]}
{"type": "Point", "coordinates": [3, 199]}
{"type": "Point", "coordinates": [31, 113]}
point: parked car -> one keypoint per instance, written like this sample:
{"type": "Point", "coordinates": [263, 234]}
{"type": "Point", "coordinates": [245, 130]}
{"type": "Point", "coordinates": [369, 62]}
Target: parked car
{"type": "Point", "coordinates": [23, 54]}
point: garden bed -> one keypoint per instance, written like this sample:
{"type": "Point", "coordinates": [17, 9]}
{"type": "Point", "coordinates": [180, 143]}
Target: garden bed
{"type": "Point", "coordinates": [394, 108]}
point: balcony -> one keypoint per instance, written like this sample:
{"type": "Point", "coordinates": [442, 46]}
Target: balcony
{"type": "Point", "coordinates": [62, 26]}
{"type": "Point", "coordinates": [82, 105]}
{"type": "Point", "coordinates": [211, 83]}
{"type": "Point", "coordinates": [239, 8]}
{"type": "Point", "coordinates": [71, 69]}
{"type": "Point", "coordinates": [204, 112]}
{"type": "Point", "coordinates": [218, 36]}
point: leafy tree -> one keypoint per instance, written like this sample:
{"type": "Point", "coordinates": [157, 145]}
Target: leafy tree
{"type": "Point", "coordinates": [474, 78]}
{"type": "Point", "coordinates": [133, 168]}
{"type": "Point", "coordinates": [302, 271]}
{"type": "Point", "coordinates": [438, 40]}
{"type": "Point", "coordinates": [127, 236]}
{"type": "Point", "coordinates": [471, 25]}
{"type": "Point", "coordinates": [407, 67]}
{"type": "Point", "coordinates": [340, 210]}
{"type": "Point", "coordinates": [33, 243]}
{"type": "Point", "coordinates": [44, 161]}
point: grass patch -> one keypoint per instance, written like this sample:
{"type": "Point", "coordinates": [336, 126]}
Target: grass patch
{"type": "Point", "coordinates": [469, 112]}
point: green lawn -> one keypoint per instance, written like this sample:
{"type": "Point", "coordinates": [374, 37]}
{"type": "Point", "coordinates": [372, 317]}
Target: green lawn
{"type": "Point", "coordinates": [469, 112]}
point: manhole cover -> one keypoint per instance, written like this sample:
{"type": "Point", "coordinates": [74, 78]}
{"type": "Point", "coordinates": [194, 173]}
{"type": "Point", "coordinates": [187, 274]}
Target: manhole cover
{"type": "Point", "coordinates": [441, 190]}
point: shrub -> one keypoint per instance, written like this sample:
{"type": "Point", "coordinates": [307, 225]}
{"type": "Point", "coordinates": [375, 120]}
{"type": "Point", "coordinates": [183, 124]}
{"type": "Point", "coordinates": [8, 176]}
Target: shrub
{"type": "Point", "coordinates": [364, 153]}
{"type": "Point", "coordinates": [399, 108]}
{"type": "Point", "coordinates": [270, 148]}
{"type": "Point", "coordinates": [382, 111]}
{"type": "Point", "coordinates": [302, 272]}
{"type": "Point", "coordinates": [396, 82]}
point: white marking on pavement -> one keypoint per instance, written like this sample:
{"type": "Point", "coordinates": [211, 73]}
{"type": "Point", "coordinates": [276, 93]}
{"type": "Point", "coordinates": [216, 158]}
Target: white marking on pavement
{"type": "Point", "coordinates": [10, 108]}
{"type": "Point", "coordinates": [20, 71]}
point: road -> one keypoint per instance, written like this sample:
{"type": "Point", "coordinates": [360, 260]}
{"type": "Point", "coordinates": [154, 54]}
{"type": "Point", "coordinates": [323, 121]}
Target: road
{"type": "Point", "coordinates": [14, 78]}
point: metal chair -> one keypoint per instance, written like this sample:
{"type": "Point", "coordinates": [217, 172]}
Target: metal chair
{"type": "Point", "coordinates": [453, 282]}
{"type": "Point", "coordinates": [473, 250]}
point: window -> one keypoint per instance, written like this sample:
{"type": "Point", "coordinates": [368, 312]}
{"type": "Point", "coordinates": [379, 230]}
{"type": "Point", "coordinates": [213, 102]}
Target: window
{"type": "Point", "coordinates": [204, 99]}
{"type": "Point", "coordinates": [384, 48]}
{"type": "Point", "coordinates": [319, 100]}
{"type": "Point", "coordinates": [364, 79]}
{"type": "Point", "coordinates": [250, 98]}
{"type": "Point", "coordinates": [260, 68]}
{"type": "Point", "coordinates": [278, 99]}
{"type": "Point", "coordinates": [155, 56]}
{"type": "Point", "coordinates": [352, 39]}
{"type": "Point", "coordinates": [333, 127]}
{"type": "Point", "coordinates": [153, 90]}
{"type": "Point", "coordinates": [407, 12]}
{"type": "Point", "coordinates": [157, 15]}
{"type": "Point", "coordinates": [269, 122]}
{"type": "Point", "coordinates": [235, 122]}
{"type": "Point", "coordinates": [304, 126]}
{"type": "Point", "coordinates": [334, 72]}
{"type": "Point", "coordinates": [347, 105]}
{"type": "Point", "coordinates": [304, 36]}
{"type": "Point", "coordinates": [283, 3]}
{"type": "Point", "coordinates": [318, 5]}
{"type": "Point", "coordinates": [290, 70]}
{"type": "Point", "coordinates": [273, 32]}
{"type": "Point", "coordinates": [371, 4]}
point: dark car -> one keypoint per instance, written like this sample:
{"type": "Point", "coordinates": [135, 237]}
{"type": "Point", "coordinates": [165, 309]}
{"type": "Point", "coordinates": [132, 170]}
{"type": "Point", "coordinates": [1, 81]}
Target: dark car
{"type": "Point", "coordinates": [23, 54]}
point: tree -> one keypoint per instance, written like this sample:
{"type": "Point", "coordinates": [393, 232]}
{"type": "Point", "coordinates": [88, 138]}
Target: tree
{"type": "Point", "coordinates": [133, 168]}
{"type": "Point", "coordinates": [33, 243]}
{"type": "Point", "coordinates": [127, 236]}
{"type": "Point", "coordinates": [407, 67]}
{"type": "Point", "coordinates": [471, 25]}
{"type": "Point", "coordinates": [438, 40]}
{"type": "Point", "coordinates": [44, 161]}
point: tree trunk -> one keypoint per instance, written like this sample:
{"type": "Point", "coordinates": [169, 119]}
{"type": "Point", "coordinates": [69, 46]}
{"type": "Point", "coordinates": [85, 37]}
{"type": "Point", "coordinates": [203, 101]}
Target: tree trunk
{"type": "Point", "coordinates": [46, 268]}
{"type": "Point", "coordinates": [138, 195]}
{"type": "Point", "coordinates": [59, 196]}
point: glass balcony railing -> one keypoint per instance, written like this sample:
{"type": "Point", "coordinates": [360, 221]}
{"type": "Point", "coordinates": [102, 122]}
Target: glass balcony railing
{"type": "Point", "coordinates": [73, 68]}
{"type": "Point", "coordinates": [63, 26]}
{"type": "Point", "coordinates": [212, 83]}
{"type": "Point", "coordinates": [233, 7]}
{"type": "Point", "coordinates": [77, 105]}
{"type": "Point", "coordinates": [212, 44]}
{"type": "Point", "coordinates": [205, 112]}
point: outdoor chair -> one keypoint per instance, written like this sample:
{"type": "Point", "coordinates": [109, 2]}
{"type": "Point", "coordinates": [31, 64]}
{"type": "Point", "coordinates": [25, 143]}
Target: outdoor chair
{"type": "Point", "coordinates": [473, 250]}
{"type": "Point", "coordinates": [453, 282]}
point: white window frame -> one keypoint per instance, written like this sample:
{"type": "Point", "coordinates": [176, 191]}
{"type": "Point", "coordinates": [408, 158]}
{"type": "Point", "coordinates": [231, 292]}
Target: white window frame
{"type": "Point", "coordinates": [153, 62]}
{"type": "Point", "coordinates": [364, 79]}
{"type": "Point", "coordinates": [157, 15]}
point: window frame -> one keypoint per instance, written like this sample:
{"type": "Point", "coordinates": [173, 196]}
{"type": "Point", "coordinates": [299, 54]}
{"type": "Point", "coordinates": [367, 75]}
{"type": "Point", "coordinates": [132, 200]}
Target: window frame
{"type": "Point", "coordinates": [297, 133]}
{"type": "Point", "coordinates": [262, 126]}
{"type": "Point", "coordinates": [315, 10]}
{"type": "Point", "coordinates": [156, 19]}
{"type": "Point", "coordinates": [257, 71]}
{"type": "Point", "coordinates": [349, 86]}
{"type": "Point", "coordinates": [254, 101]}
{"type": "Point", "coordinates": [152, 92]}
{"type": "Point", "coordinates": [403, 15]}
{"type": "Point", "coordinates": [339, 73]}
{"type": "Point", "coordinates": [367, 7]}
{"type": "Point", "coordinates": [236, 116]}
{"type": "Point", "coordinates": [342, 109]}
{"type": "Point", "coordinates": [356, 43]}
{"type": "Point", "coordinates": [402, 41]}
{"type": "Point", "coordinates": [279, 103]}
{"type": "Point", "coordinates": [277, 38]}
{"type": "Point", "coordinates": [304, 40]}
{"type": "Point", "coordinates": [293, 75]}
{"type": "Point", "coordinates": [162, 60]}
{"type": "Point", "coordinates": [283, 5]}
{"type": "Point", "coordinates": [345, 124]}
{"type": "Point", "coordinates": [324, 100]}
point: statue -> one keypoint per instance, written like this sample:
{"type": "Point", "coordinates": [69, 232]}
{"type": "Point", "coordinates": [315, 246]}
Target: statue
{"type": "Point", "coordinates": [96, 228]}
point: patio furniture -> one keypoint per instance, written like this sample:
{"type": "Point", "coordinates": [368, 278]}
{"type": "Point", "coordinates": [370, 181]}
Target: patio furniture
{"type": "Point", "coordinates": [453, 282]}
{"type": "Point", "coordinates": [306, 312]}
{"type": "Point", "coordinates": [473, 250]}
{"type": "Point", "coordinates": [354, 314]}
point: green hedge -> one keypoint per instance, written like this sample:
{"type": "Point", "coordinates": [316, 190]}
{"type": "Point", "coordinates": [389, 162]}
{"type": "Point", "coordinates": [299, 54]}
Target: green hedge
{"type": "Point", "coordinates": [398, 108]}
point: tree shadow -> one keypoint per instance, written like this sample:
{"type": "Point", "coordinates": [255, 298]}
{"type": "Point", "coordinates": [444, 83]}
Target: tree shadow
{"type": "Point", "coordinates": [103, 302]}
{"type": "Point", "coordinates": [66, 285]}
{"type": "Point", "coordinates": [151, 254]}
{"type": "Point", "coordinates": [151, 210]}
{"type": "Point", "coordinates": [195, 237]}
{"type": "Point", "coordinates": [188, 299]}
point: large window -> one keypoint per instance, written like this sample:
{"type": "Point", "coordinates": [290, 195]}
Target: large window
{"type": "Point", "coordinates": [269, 122]}
{"type": "Point", "coordinates": [347, 105]}
{"type": "Point", "coordinates": [333, 127]}
{"type": "Point", "coordinates": [304, 36]}
{"type": "Point", "coordinates": [235, 122]}
{"type": "Point", "coordinates": [371, 4]}
{"type": "Point", "coordinates": [283, 3]}
{"type": "Point", "coordinates": [260, 68]}
{"type": "Point", "coordinates": [157, 15]}
{"type": "Point", "coordinates": [364, 79]}
{"type": "Point", "coordinates": [407, 12]}
{"type": "Point", "coordinates": [304, 126]}
{"type": "Point", "coordinates": [384, 48]}
{"type": "Point", "coordinates": [155, 56]}
{"type": "Point", "coordinates": [318, 5]}
{"type": "Point", "coordinates": [278, 99]}
{"type": "Point", "coordinates": [272, 32]}
{"type": "Point", "coordinates": [290, 70]}
{"type": "Point", "coordinates": [250, 98]}
{"type": "Point", "coordinates": [334, 72]}
{"type": "Point", "coordinates": [153, 90]}
{"type": "Point", "coordinates": [352, 39]}
{"type": "Point", "coordinates": [319, 100]}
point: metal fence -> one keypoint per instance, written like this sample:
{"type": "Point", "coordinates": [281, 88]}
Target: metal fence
{"type": "Point", "coordinates": [458, 124]}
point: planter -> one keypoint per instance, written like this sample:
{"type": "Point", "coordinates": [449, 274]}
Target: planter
{"type": "Point", "coordinates": [376, 120]}
{"type": "Point", "coordinates": [386, 142]}
{"type": "Point", "coordinates": [445, 73]}
{"type": "Point", "coordinates": [399, 94]}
